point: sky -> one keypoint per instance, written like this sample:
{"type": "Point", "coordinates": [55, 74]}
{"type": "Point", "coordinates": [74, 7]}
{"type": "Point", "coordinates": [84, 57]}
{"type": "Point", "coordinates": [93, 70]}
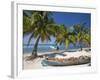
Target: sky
{"type": "Point", "coordinates": [70, 19]}
{"type": "Point", "coordinates": [66, 18]}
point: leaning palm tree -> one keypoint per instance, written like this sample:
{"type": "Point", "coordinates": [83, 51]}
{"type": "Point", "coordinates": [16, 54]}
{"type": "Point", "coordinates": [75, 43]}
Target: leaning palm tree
{"type": "Point", "coordinates": [79, 30]}
{"type": "Point", "coordinates": [64, 36]}
{"type": "Point", "coordinates": [38, 25]}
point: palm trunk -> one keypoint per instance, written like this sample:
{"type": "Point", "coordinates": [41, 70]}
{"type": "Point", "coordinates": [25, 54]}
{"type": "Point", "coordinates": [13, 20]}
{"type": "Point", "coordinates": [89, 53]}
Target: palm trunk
{"type": "Point", "coordinates": [34, 52]}
{"type": "Point", "coordinates": [57, 47]}
{"type": "Point", "coordinates": [81, 46]}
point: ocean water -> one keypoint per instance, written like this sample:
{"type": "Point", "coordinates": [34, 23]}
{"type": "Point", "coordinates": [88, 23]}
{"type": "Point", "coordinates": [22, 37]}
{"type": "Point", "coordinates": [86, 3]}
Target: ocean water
{"type": "Point", "coordinates": [41, 48]}
{"type": "Point", "coordinates": [46, 47]}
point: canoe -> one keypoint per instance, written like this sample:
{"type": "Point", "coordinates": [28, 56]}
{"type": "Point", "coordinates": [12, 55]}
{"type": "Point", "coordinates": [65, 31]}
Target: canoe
{"type": "Point", "coordinates": [66, 62]}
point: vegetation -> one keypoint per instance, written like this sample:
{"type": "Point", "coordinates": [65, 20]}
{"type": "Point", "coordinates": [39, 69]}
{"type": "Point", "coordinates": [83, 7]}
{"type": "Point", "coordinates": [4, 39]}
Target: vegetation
{"type": "Point", "coordinates": [82, 34]}
{"type": "Point", "coordinates": [38, 24]}
{"type": "Point", "coordinates": [64, 36]}
{"type": "Point", "coordinates": [41, 26]}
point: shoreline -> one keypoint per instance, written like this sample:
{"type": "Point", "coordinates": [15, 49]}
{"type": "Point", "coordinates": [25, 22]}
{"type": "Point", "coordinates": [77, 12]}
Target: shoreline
{"type": "Point", "coordinates": [54, 51]}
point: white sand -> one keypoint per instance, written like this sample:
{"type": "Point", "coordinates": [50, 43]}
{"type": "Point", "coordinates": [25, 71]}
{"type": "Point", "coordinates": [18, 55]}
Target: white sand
{"type": "Point", "coordinates": [36, 64]}
{"type": "Point", "coordinates": [74, 54]}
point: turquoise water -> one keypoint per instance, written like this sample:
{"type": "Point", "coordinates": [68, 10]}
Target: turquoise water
{"type": "Point", "coordinates": [46, 47]}
{"type": "Point", "coordinates": [41, 47]}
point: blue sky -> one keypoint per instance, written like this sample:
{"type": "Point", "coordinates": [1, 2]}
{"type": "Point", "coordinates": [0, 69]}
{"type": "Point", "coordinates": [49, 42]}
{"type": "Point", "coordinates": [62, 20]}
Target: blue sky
{"type": "Point", "coordinates": [68, 19]}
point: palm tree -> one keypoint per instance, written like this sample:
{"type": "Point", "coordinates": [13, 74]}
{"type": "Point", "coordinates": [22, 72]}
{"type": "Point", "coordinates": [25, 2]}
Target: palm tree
{"type": "Point", "coordinates": [87, 37]}
{"type": "Point", "coordinates": [64, 36]}
{"type": "Point", "coordinates": [81, 35]}
{"type": "Point", "coordinates": [38, 24]}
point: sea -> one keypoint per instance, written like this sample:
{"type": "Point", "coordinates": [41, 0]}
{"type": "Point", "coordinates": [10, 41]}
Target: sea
{"type": "Point", "coordinates": [47, 48]}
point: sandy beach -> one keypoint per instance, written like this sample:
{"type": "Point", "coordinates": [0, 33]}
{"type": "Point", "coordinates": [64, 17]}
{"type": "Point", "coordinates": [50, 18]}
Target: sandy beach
{"type": "Point", "coordinates": [56, 40]}
{"type": "Point", "coordinates": [36, 63]}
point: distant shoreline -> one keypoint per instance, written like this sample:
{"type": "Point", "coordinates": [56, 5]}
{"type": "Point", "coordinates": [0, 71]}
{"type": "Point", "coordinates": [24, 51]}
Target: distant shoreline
{"type": "Point", "coordinates": [67, 50]}
{"type": "Point", "coordinates": [49, 47]}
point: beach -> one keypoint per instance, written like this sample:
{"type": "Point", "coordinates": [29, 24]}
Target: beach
{"type": "Point", "coordinates": [37, 63]}
{"type": "Point", "coordinates": [49, 41]}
